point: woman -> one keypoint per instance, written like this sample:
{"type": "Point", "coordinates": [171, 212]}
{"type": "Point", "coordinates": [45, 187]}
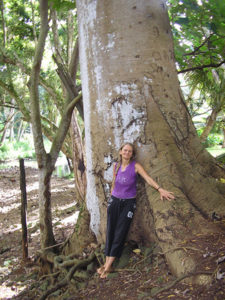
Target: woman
{"type": "Point", "coordinates": [122, 204]}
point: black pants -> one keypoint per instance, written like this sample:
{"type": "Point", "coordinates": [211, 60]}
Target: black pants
{"type": "Point", "coordinates": [119, 216]}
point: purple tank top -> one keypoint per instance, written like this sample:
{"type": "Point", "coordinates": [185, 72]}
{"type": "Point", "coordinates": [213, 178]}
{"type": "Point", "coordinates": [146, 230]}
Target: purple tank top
{"type": "Point", "coordinates": [125, 183]}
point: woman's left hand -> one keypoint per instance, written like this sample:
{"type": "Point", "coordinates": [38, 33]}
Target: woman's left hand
{"type": "Point", "coordinates": [166, 194]}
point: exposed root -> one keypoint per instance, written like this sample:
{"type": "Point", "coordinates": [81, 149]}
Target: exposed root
{"type": "Point", "coordinates": [173, 283]}
{"type": "Point", "coordinates": [66, 280]}
{"type": "Point", "coordinates": [185, 248]}
{"type": "Point", "coordinates": [49, 275]}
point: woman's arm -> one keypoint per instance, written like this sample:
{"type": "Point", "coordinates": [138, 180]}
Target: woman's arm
{"type": "Point", "coordinates": [163, 193]}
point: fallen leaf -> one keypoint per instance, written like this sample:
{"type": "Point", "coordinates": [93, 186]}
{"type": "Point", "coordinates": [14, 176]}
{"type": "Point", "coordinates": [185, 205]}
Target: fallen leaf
{"type": "Point", "coordinates": [137, 251]}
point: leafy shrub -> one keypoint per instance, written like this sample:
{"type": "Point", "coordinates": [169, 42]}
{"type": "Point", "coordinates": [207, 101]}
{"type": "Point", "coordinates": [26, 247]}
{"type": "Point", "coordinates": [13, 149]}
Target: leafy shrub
{"type": "Point", "coordinates": [213, 140]}
{"type": "Point", "coordinates": [15, 149]}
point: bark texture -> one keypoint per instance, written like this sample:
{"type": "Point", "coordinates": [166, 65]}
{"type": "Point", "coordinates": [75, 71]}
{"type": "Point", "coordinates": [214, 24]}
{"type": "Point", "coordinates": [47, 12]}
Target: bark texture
{"type": "Point", "coordinates": [131, 94]}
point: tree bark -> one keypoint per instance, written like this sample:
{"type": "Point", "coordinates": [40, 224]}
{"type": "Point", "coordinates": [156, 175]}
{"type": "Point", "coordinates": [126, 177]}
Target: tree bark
{"type": "Point", "coordinates": [131, 93]}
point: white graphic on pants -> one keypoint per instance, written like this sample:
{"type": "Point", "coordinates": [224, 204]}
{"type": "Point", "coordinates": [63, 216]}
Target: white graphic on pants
{"type": "Point", "coordinates": [130, 214]}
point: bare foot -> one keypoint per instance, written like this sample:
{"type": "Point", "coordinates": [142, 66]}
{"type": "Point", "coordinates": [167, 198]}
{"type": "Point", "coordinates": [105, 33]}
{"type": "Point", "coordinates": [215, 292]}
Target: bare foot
{"type": "Point", "coordinates": [104, 274]}
{"type": "Point", "coordinates": [101, 270]}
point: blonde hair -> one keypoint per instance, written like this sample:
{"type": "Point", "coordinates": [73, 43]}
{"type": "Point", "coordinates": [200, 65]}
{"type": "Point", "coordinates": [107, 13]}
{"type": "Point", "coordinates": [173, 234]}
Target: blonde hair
{"type": "Point", "coordinates": [115, 170]}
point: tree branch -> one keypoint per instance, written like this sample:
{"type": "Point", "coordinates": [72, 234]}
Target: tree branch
{"type": "Point", "coordinates": [9, 106]}
{"type": "Point", "coordinates": [68, 83]}
{"type": "Point", "coordinates": [196, 49]}
{"type": "Point", "coordinates": [26, 70]}
{"type": "Point", "coordinates": [11, 91]}
{"type": "Point", "coordinates": [202, 67]}
{"type": "Point", "coordinates": [63, 128]}
{"type": "Point", "coordinates": [74, 61]}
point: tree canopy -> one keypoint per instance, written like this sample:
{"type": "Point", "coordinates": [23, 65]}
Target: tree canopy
{"type": "Point", "coordinates": [198, 28]}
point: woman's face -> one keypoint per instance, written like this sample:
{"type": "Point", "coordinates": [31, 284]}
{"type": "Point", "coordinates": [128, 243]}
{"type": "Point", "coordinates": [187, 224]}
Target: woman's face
{"type": "Point", "coordinates": [126, 152]}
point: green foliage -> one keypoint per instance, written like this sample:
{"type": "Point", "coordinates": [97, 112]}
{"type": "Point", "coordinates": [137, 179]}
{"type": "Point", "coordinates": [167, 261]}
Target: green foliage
{"type": "Point", "coordinates": [18, 20]}
{"type": "Point", "coordinates": [69, 176]}
{"type": "Point", "coordinates": [63, 4]}
{"type": "Point", "coordinates": [212, 140]}
{"type": "Point", "coordinates": [21, 21]}
{"type": "Point", "coordinates": [13, 150]}
{"type": "Point", "coordinates": [199, 30]}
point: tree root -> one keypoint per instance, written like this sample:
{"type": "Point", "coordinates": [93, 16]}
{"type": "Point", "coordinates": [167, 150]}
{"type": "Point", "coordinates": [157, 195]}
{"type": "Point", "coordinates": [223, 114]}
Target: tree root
{"type": "Point", "coordinates": [60, 263]}
{"type": "Point", "coordinates": [180, 248]}
{"type": "Point", "coordinates": [68, 277]}
{"type": "Point", "coordinates": [173, 283]}
{"type": "Point", "coordinates": [49, 275]}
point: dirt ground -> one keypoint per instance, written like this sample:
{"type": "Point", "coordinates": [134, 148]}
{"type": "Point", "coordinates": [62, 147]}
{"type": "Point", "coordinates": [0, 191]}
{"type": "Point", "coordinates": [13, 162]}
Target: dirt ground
{"type": "Point", "coordinates": [142, 277]}
{"type": "Point", "coordinates": [64, 218]}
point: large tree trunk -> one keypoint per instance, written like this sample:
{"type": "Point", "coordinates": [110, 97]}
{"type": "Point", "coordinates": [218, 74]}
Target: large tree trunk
{"type": "Point", "coordinates": [131, 93]}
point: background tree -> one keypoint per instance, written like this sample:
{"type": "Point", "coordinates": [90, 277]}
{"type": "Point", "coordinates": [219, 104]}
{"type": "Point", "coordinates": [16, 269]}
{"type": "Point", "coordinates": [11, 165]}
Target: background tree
{"type": "Point", "coordinates": [211, 86]}
{"type": "Point", "coordinates": [16, 59]}
{"type": "Point", "coordinates": [131, 93]}
{"type": "Point", "coordinates": [52, 96]}
{"type": "Point", "coordinates": [198, 31]}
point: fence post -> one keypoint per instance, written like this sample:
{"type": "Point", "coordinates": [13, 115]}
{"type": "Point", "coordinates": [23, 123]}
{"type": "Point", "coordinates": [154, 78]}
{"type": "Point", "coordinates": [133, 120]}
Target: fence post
{"type": "Point", "coordinates": [23, 209]}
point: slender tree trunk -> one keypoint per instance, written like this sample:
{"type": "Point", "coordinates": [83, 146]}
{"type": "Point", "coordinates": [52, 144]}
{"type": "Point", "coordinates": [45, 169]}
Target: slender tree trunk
{"type": "Point", "coordinates": [45, 166]}
{"type": "Point", "coordinates": [6, 126]}
{"type": "Point", "coordinates": [70, 34]}
{"type": "Point", "coordinates": [2, 140]}
{"type": "Point", "coordinates": [45, 211]}
{"type": "Point", "coordinates": [78, 159]}
{"type": "Point", "coordinates": [131, 93]}
{"type": "Point", "coordinates": [209, 125]}
{"type": "Point", "coordinates": [223, 146]}
{"type": "Point", "coordinates": [11, 130]}
{"type": "Point", "coordinates": [11, 124]}
{"type": "Point", "coordinates": [21, 130]}
{"type": "Point", "coordinates": [33, 23]}
{"type": "Point", "coordinates": [3, 22]}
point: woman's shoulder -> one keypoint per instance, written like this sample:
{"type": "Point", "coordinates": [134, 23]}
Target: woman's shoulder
{"type": "Point", "coordinates": [137, 166]}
